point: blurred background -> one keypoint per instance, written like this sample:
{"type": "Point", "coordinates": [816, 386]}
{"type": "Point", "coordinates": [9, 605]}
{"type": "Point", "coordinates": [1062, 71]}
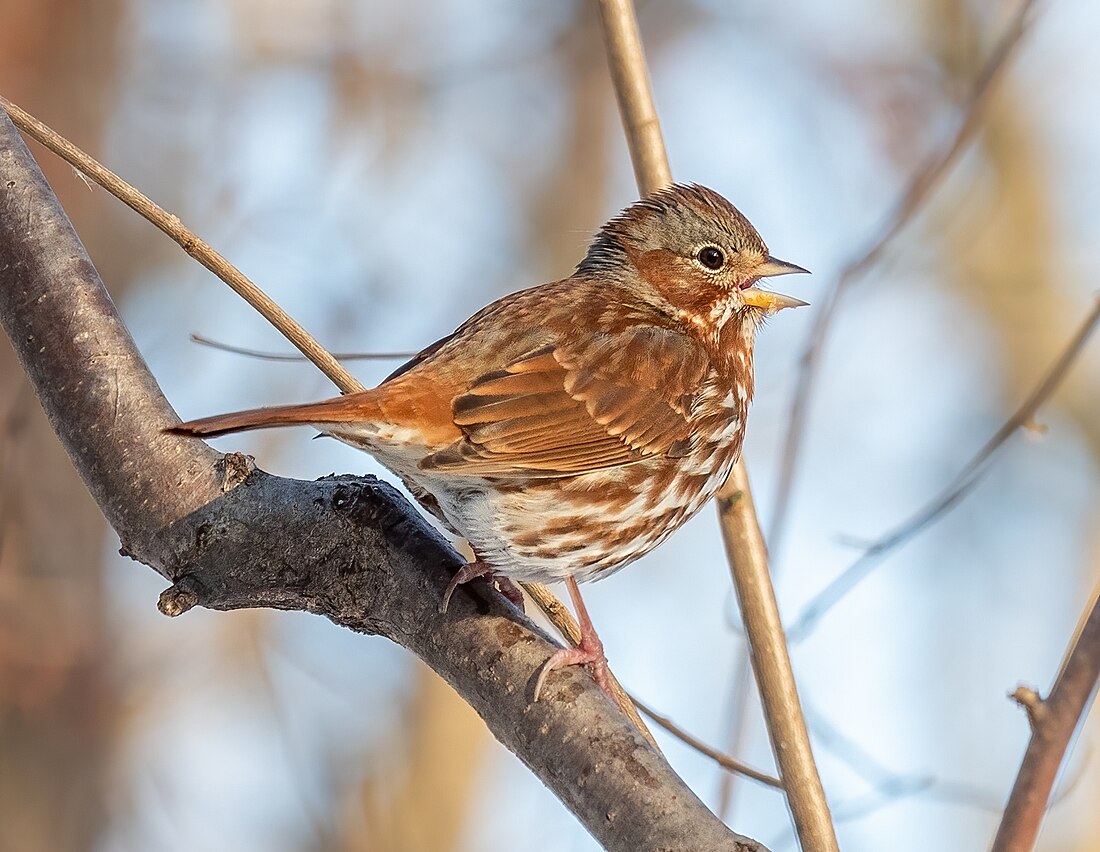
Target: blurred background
{"type": "Point", "coordinates": [385, 169]}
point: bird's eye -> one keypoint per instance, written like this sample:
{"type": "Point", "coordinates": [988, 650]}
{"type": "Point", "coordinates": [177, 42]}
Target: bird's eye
{"type": "Point", "coordinates": [711, 257]}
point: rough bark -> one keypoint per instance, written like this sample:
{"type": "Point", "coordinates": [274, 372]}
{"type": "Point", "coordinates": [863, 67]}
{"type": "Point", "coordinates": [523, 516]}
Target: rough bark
{"type": "Point", "coordinates": [229, 536]}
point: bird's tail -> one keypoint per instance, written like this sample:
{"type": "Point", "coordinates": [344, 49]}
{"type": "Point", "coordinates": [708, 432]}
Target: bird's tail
{"type": "Point", "coordinates": [356, 407]}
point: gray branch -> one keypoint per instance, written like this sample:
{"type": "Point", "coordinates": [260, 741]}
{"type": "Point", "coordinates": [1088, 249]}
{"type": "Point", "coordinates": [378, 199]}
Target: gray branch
{"type": "Point", "coordinates": [228, 536]}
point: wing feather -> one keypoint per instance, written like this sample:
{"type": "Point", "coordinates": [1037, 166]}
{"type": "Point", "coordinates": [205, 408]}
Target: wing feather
{"type": "Point", "coordinates": [607, 400]}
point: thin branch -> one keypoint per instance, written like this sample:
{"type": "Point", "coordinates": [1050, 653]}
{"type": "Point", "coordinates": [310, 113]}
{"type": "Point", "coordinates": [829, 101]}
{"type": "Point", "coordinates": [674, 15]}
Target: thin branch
{"type": "Point", "coordinates": [887, 785]}
{"type": "Point", "coordinates": [630, 75]}
{"type": "Point", "coordinates": [969, 477]}
{"type": "Point", "coordinates": [921, 185]}
{"type": "Point", "coordinates": [740, 528]}
{"type": "Point", "coordinates": [1053, 722]}
{"type": "Point", "coordinates": [774, 677]}
{"type": "Point", "coordinates": [228, 536]}
{"type": "Point", "coordinates": [721, 758]}
{"type": "Point", "coordinates": [203, 340]}
{"type": "Point", "coordinates": [264, 305]}
{"type": "Point", "coordinates": [739, 690]}
{"type": "Point", "coordinates": [188, 240]}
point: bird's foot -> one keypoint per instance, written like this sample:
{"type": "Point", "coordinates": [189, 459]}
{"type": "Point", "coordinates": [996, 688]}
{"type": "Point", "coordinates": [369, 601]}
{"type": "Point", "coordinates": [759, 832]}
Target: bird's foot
{"type": "Point", "coordinates": [588, 651]}
{"type": "Point", "coordinates": [582, 654]}
{"type": "Point", "coordinates": [473, 570]}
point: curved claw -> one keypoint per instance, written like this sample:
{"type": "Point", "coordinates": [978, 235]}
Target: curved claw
{"type": "Point", "coordinates": [473, 570]}
{"type": "Point", "coordinates": [468, 572]}
{"type": "Point", "coordinates": [577, 656]}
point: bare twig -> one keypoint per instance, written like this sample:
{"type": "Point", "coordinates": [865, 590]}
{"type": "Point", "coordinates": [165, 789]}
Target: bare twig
{"type": "Point", "coordinates": [1053, 722]}
{"type": "Point", "coordinates": [188, 240]}
{"type": "Point", "coordinates": [740, 528]}
{"type": "Point", "coordinates": [888, 785]}
{"type": "Point", "coordinates": [719, 757]}
{"type": "Point", "coordinates": [921, 185]}
{"type": "Point", "coordinates": [630, 75]}
{"type": "Point", "coordinates": [954, 492]}
{"type": "Point", "coordinates": [203, 340]}
{"type": "Point", "coordinates": [264, 305]}
{"type": "Point", "coordinates": [774, 677]}
{"type": "Point", "coordinates": [564, 622]}
{"type": "Point", "coordinates": [739, 691]}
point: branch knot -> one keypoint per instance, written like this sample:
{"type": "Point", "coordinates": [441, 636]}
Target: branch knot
{"type": "Point", "coordinates": [234, 468]}
{"type": "Point", "coordinates": [181, 596]}
{"type": "Point", "coordinates": [1033, 704]}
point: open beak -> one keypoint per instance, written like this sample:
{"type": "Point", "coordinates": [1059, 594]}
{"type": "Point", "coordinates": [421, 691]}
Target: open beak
{"type": "Point", "coordinates": [768, 302]}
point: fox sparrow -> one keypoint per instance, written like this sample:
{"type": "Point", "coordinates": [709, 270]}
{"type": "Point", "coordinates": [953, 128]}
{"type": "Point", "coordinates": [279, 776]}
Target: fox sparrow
{"type": "Point", "coordinates": [567, 429]}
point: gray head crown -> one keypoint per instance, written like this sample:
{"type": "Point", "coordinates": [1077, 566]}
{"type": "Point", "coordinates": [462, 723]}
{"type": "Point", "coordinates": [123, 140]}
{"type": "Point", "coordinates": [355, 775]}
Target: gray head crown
{"type": "Point", "coordinates": [686, 215]}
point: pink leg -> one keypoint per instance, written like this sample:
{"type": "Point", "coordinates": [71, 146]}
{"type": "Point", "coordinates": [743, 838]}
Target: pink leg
{"type": "Point", "coordinates": [590, 649]}
{"type": "Point", "coordinates": [473, 570]}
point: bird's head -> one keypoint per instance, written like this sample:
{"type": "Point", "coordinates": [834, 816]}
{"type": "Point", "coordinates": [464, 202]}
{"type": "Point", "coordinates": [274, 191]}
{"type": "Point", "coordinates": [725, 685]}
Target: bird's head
{"type": "Point", "coordinates": [689, 252]}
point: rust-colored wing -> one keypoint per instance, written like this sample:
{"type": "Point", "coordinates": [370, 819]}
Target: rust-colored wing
{"type": "Point", "coordinates": [606, 400]}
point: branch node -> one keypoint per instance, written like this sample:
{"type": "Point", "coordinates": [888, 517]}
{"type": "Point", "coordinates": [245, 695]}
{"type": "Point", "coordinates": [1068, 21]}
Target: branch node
{"type": "Point", "coordinates": [181, 596]}
{"type": "Point", "coordinates": [234, 468]}
{"type": "Point", "coordinates": [1032, 702]}
{"type": "Point", "coordinates": [731, 499]}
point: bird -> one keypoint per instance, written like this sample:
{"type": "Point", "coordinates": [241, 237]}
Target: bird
{"type": "Point", "coordinates": [567, 429]}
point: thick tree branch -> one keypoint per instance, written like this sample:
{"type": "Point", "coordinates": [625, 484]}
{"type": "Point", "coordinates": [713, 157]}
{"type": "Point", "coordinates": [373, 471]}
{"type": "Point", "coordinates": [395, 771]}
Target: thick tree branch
{"type": "Point", "coordinates": [229, 536]}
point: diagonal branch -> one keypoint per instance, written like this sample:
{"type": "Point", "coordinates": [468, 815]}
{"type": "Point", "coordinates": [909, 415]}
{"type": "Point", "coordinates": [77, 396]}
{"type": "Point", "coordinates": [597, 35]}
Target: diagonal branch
{"type": "Point", "coordinates": [744, 541]}
{"type": "Point", "coordinates": [970, 475]}
{"type": "Point", "coordinates": [189, 242]}
{"type": "Point", "coordinates": [922, 184]}
{"type": "Point", "coordinates": [722, 759]}
{"type": "Point", "coordinates": [229, 536]}
{"type": "Point", "coordinates": [1053, 722]}
{"type": "Point", "coordinates": [262, 355]}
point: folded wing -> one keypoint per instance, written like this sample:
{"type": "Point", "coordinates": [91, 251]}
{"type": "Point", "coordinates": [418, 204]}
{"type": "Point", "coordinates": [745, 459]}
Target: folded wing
{"type": "Point", "coordinates": [606, 400]}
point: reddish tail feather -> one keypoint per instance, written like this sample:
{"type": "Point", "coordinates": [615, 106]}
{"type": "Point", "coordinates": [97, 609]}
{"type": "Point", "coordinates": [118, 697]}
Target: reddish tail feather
{"type": "Point", "coordinates": [341, 409]}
